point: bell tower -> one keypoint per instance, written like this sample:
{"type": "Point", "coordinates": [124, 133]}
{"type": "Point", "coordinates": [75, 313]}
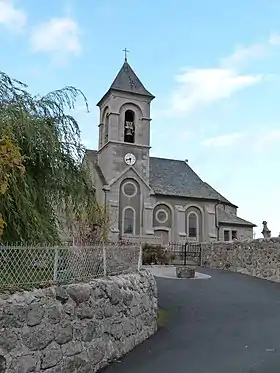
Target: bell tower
{"type": "Point", "coordinates": [124, 129]}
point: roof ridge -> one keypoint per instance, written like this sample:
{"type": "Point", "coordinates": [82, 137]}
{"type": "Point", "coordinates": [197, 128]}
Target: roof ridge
{"type": "Point", "coordinates": [169, 159]}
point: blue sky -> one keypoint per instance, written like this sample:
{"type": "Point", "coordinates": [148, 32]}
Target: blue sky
{"type": "Point", "coordinates": [212, 65]}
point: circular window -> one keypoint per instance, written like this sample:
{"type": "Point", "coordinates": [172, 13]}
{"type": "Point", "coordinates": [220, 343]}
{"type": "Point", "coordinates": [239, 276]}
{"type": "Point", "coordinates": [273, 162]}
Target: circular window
{"type": "Point", "coordinates": [129, 189]}
{"type": "Point", "coordinates": [162, 216]}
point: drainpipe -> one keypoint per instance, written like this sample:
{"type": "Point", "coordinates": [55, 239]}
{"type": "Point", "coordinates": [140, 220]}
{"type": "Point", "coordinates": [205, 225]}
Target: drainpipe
{"type": "Point", "coordinates": [216, 220]}
{"type": "Point", "coordinates": [105, 190]}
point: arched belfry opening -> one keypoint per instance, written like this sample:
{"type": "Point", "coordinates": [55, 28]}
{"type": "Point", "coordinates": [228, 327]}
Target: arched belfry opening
{"type": "Point", "coordinates": [129, 126]}
{"type": "Point", "coordinates": [106, 129]}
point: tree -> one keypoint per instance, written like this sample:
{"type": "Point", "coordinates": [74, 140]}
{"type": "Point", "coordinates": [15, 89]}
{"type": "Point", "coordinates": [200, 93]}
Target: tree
{"type": "Point", "coordinates": [10, 158]}
{"type": "Point", "coordinates": [48, 140]}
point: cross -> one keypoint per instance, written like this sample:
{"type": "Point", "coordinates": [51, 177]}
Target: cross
{"type": "Point", "coordinates": [125, 54]}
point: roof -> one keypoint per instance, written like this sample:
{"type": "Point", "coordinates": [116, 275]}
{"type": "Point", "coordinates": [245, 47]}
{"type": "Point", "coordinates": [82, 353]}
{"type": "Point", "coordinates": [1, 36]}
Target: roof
{"type": "Point", "coordinates": [128, 81]}
{"type": "Point", "coordinates": [225, 217]}
{"type": "Point", "coordinates": [176, 178]}
{"type": "Point", "coordinates": [93, 156]}
{"type": "Point", "coordinates": [173, 177]}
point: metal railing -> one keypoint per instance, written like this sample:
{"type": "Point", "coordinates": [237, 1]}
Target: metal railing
{"type": "Point", "coordinates": [31, 265]}
{"type": "Point", "coordinates": [154, 240]}
{"type": "Point", "coordinates": [185, 253]}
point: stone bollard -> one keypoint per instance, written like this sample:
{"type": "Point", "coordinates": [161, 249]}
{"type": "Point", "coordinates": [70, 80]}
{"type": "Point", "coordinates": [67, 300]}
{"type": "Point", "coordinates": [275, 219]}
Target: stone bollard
{"type": "Point", "coordinates": [185, 272]}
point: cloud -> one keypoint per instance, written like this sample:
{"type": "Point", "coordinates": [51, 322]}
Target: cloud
{"type": "Point", "coordinates": [266, 139]}
{"type": "Point", "coordinates": [260, 141]}
{"type": "Point", "coordinates": [201, 86]}
{"type": "Point", "coordinates": [58, 36]}
{"type": "Point", "coordinates": [243, 55]}
{"type": "Point", "coordinates": [11, 17]}
{"type": "Point", "coordinates": [197, 87]}
{"type": "Point", "coordinates": [223, 141]}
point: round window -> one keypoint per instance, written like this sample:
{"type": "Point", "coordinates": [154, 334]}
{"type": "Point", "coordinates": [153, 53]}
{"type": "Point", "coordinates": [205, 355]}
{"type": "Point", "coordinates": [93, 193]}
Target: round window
{"type": "Point", "coordinates": [129, 189]}
{"type": "Point", "coordinates": [162, 216]}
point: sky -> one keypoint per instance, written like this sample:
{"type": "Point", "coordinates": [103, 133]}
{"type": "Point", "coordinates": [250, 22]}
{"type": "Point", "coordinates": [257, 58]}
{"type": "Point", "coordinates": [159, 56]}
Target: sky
{"type": "Point", "coordinates": [212, 65]}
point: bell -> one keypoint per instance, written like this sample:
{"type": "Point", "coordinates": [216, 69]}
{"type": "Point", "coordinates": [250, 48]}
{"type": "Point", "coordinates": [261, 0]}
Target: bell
{"type": "Point", "coordinates": [129, 128]}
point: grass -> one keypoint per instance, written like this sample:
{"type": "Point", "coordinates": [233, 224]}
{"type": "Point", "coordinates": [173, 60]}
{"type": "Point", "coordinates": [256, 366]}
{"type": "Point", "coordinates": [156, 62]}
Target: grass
{"type": "Point", "coordinates": [162, 317]}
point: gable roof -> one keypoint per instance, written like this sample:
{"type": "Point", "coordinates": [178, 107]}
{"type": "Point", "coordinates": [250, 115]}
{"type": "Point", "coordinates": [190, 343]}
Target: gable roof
{"type": "Point", "coordinates": [128, 81]}
{"type": "Point", "coordinates": [173, 177]}
{"type": "Point", "coordinates": [225, 217]}
{"type": "Point", "coordinates": [92, 155]}
{"type": "Point", "coordinates": [176, 178]}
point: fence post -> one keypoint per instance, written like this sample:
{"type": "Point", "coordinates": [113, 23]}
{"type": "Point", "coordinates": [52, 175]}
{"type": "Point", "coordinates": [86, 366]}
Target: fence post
{"type": "Point", "coordinates": [55, 265]}
{"type": "Point", "coordinates": [185, 254]}
{"type": "Point", "coordinates": [140, 257]}
{"type": "Point", "coordinates": [201, 253]}
{"type": "Point", "coordinates": [104, 262]}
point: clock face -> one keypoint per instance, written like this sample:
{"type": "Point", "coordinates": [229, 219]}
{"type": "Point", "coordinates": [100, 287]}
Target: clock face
{"type": "Point", "coordinates": [130, 159]}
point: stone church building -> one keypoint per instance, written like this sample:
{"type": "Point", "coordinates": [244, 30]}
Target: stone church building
{"type": "Point", "coordinates": [151, 196]}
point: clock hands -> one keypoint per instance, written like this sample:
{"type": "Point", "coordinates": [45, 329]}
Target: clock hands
{"type": "Point", "coordinates": [129, 159]}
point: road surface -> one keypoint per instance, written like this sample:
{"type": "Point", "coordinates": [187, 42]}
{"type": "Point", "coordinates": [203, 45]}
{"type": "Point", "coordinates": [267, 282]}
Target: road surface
{"type": "Point", "coordinates": [227, 324]}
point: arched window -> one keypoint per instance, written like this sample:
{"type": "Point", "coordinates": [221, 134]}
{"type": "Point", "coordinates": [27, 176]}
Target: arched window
{"type": "Point", "coordinates": [129, 126]}
{"type": "Point", "coordinates": [106, 130]}
{"type": "Point", "coordinates": [193, 225]}
{"type": "Point", "coordinates": [128, 221]}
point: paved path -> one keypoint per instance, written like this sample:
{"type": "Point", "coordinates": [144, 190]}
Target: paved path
{"type": "Point", "coordinates": [228, 324]}
{"type": "Point", "coordinates": [170, 272]}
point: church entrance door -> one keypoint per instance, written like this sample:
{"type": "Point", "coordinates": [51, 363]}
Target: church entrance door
{"type": "Point", "coordinates": [164, 235]}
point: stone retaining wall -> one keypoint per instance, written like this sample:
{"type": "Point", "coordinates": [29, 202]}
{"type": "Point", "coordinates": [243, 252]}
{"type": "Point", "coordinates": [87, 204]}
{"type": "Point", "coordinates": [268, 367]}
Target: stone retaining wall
{"type": "Point", "coordinates": [76, 328]}
{"type": "Point", "coordinates": [259, 258]}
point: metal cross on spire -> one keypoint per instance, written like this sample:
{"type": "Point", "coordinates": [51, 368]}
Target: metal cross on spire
{"type": "Point", "coordinates": [125, 54]}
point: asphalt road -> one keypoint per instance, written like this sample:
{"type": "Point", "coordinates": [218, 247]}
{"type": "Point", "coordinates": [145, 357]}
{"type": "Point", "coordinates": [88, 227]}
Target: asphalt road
{"type": "Point", "coordinates": [228, 324]}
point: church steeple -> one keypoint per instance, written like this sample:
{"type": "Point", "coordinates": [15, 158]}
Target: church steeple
{"type": "Point", "coordinates": [127, 81]}
{"type": "Point", "coordinates": [124, 126]}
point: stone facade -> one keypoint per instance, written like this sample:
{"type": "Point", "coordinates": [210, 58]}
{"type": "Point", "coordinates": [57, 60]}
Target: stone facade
{"type": "Point", "coordinates": [76, 328]}
{"type": "Point", "coordinates": [150, 196]}
{"type": "Point", "coordinates": [259, 258]}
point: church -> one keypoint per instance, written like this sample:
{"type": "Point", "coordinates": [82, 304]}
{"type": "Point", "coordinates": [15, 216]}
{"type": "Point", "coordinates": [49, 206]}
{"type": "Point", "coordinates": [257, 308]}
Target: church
{"type": "Point", "coordinates": [149, 196]}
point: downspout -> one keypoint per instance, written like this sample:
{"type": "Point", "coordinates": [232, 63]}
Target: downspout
{"type": "Point", "coordinates": [105, 190]}
{"type": "Point", "coordinates": [217, 220]}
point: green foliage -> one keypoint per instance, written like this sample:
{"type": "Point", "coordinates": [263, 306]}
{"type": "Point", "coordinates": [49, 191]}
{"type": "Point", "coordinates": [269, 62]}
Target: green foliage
{"type": "Point", "coordinates": [156, 254]}
{"type": "Point", "coordinates": [163, 317]}
{"type": "Point", "coordinates": [10, 158]}
{"type": "Point", "coordinates": [49, 140]}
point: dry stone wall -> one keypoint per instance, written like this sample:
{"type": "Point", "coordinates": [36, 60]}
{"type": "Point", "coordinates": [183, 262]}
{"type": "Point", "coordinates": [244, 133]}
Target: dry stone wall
{"type": "Point", "coordinates": [259, 258]}
{"type": "Point", "coordinates": [78, 327]}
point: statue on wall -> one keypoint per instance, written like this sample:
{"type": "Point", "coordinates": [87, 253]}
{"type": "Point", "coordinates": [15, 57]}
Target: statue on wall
{"type": "Point", "coordinates": [266, 232]}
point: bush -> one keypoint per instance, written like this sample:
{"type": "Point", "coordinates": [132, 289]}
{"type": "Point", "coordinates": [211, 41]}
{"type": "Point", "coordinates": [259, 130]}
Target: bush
{"type": "Point", "coordinates": [156, 254]}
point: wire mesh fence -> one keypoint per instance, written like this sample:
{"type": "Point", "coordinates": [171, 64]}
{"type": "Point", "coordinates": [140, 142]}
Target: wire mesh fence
{"type": "Point", "coordinates": [30, 265]}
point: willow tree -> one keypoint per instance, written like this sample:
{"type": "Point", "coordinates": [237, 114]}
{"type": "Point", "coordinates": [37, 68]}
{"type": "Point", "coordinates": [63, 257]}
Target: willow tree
{"type": "Point", "coordinates": [48, 139]}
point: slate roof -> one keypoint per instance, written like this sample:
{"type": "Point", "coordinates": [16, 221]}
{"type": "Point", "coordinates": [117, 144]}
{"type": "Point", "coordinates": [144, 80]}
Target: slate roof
{"type": "Point", "coordinates": [92, 154]}
{"type": "Point", "coordinates": [176, 178]}
{"type": "Point", "coordinates": [228, 218]}
{"type": "Point", "coordinates": [128, 81]}
{"type": "Point", "coordinates": [173, 177]}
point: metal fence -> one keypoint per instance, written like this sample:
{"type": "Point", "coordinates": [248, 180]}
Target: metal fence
{"type": "Point", "coordinates": [23, 266]}
{"type": "Point", "coordinates": [185, 253]}
{"type": "Point", "coordinates": [154, 240]}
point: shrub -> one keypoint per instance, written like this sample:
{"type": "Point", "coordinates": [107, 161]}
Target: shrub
{"type": "Point", "coordinates": [156, 254]}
